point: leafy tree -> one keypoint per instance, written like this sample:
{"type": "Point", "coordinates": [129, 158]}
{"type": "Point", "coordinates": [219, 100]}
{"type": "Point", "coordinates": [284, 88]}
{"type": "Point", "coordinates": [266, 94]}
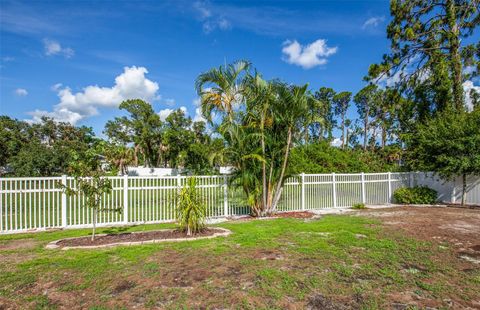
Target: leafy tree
{"type": "Point", "coordinates": [142, 127]}
{"type": "Point", "coordinates": [119, 156]}
{"type": "Point", "coordinates": [325, 97]}
{"type": "Point", "coordinates": [449, 145]}
{"type": "Point", "coordinates": [341, 103]}
{"type": "Point", "coordinates": [221, 89]}
{"type": "Point", "coordinates": [429, 44]}
{"type": "Point", "coordinates": [90, 183]}
{"type": "Point", "coordinates": [177, 137]}
{"type": "Point", "coordinates": [259, 130]}
{"type": "Point", "coordinates": [41, 149]}
{"type": "Point", "coordinates": [364, 101]}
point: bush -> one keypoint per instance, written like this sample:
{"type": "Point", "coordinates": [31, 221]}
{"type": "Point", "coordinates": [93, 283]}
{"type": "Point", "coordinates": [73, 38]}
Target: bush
{"type": "Point", "coordinates": [415, 195]}
{"type": "Point", "coordinates": [321, 157]}
{"type": "Point", "coordinates": [191, 210]}
{"type": "Point", "coordinates": [359, 206]}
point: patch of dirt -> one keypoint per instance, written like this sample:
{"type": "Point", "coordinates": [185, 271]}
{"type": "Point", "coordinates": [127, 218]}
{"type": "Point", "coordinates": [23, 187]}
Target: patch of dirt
{"type": "Point", "coordinates": [321, 302]}
{"type": "Point", "coordinates": [123, 286]}
{"type": "Point", "coordinates": [133, 237]}
{"type": "Point", "coordinates": [268, 255]}
{"type": "Point", "coordinates": [459, 227]}
{"type": "Point", "coordinates": [22, 244]}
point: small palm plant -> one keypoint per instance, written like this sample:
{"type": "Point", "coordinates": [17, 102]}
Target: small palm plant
{"type": "Point", "coordinates": [191, 209]}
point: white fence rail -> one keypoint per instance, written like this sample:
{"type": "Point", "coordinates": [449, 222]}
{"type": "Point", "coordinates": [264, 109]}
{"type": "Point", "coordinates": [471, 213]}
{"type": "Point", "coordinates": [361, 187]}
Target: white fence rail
{"type": "Point", "coordinates": [28, 204]}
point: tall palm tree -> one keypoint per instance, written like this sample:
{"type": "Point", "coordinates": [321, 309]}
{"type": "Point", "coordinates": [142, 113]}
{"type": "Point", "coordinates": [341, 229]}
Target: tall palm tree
{"type": "Point", "coordinates": [290, 108]}
{"type": "Point", "coordinates": [220, 89]}
{"type": "Point", "coordinates": [260, 94]}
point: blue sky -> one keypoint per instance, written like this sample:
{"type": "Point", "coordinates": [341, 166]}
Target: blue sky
{"type": "Point", "coordinates": [76, 60]}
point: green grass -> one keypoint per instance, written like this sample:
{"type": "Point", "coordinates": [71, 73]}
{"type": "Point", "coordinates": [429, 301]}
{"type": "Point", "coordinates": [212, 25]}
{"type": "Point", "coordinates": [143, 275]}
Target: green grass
{"type": "Point", "coordinates": [263, 264]}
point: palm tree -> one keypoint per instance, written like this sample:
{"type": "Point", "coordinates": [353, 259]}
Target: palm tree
{"type": "Point", "coordinates": [259, 132]}
{"type": "Point", "coordinates": [220, 89]}
{"type": "Point", "coordinates": [260, 94]}
{"type": "Point", "coordinates": [290, 108]}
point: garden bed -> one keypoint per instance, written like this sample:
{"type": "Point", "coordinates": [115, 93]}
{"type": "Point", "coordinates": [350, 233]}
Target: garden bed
{"type": "Point", "coordinates": [134, 238]}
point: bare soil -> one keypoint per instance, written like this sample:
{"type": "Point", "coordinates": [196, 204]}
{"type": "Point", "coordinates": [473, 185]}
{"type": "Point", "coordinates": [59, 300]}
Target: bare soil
{"type": "Point", "coordinates": [297, 215]}
{"type": "Point", "coordinates": [134, 237]}
{"type": "Point", "coordinates": [459, 226]}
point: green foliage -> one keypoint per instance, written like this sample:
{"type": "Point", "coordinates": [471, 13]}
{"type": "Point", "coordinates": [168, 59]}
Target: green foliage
{"type": "Point", "coordinates": [359, 206]}
{"type": "Point", "coordinates": [90, 183]}
{"type": "Point", "coordinates": [190, 208]}
{"type": "Point", "coordinates": [448, 144]}
{"type": "Point", "coordinates": [415, 195]}
{"type": "Point", "coordinates": [41, 149]}
{"type": "Point", "coordinates": [430, 47]}
{"type": "Point", "coordinates": [259, 131]}
{"type": "Point", "coordinates": [177, 142]}
{"type": "Point", "coordinates": [142, 127]}
{"type": "Point", "coordinates": [323, 158]}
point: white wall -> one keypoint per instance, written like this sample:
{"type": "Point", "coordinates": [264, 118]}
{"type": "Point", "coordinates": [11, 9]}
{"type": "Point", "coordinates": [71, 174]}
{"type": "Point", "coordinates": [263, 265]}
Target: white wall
{"type": "Point", "coordinates": [450, 190]}
{"type": "Point", "coordinates": [146, 171]}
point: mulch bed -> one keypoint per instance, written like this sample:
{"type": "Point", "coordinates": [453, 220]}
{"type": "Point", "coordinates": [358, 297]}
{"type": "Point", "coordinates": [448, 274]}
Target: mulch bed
{"type": "Point", "coordinates": [297, 215]}
{"type": "Point", "coordinates": [134, 237]}
{"type": "Point", "coordinates": [293, 214]}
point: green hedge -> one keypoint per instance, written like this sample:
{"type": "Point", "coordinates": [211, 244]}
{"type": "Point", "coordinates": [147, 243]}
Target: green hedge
{"type": "Point", "coordinates": [415, 195]}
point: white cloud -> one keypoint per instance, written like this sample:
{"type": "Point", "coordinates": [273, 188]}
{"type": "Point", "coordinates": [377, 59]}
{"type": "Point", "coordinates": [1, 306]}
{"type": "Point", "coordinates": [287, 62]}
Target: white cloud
{"type": "Point", "coordinates": [308, 56]}
{"type": "Point", "coordinates": [169, 102]}
{"type": "Point", "coordinates": [337, 142]}
{"type": "Point", "coordinates": [467, 87]}
{"type": "Point", "coordinates": [223, 23]}
{"type": "Point", "coordinates": [210, 21]}
{"type": "Point", "coordinates": [56, 87]}
{"type": "Point", "coordinates": [373, 21]}
{"type": "Point", "coordinates": [202, 9]}
{"type": "Point", "coordinates": [54, 48]}
{"type": "Point", "coordinates": [21, 92]}
{"type": "Point", "coordinates": [166, 112]}
{"type": "Point", "coordinates": [73, 107]}
{"type": "Point", "coordinates": [198, 117]}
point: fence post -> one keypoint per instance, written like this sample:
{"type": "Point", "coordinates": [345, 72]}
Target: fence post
{"type": "Point", "coordinates": [225, 196]}
{"type": "Point", "coordinates": [410, 179]}
{"type": "Point", "coordinates": [303, 191]}
{"type": "Point", "coordinates": [64, 202]}
{"type": "Point", "coordinates": [389, 187]}
{"type": "Point", "coordinates": [364, 196]}
{"type": "Point", "coordinates": [125, 198]}
{"type": "Point", "coordinates": [334, 190]}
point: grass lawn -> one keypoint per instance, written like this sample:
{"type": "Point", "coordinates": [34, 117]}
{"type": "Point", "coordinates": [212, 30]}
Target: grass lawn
{"type": "Point", "coordinates": [341, 261]}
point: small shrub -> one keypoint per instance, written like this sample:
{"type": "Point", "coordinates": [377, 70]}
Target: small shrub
{"type": "Point", "coordinates": [415, 195]}
{"type": "Point", "coordinates": [359, 206]}
{"type": "Point", "coordinates": [191, 210]}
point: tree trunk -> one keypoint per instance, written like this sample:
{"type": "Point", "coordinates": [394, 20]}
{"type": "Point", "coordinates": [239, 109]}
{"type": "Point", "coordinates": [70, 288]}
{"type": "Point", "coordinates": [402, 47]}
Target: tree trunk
{"type": "Point", "coordinates": [264, 172]}
{"type": "Point", "coordinates": [135, 155]}
{"type": "Point", "coordinates": [464, 189]}
{"type": "Point", "coordinates": [94, 223]}
{"type": "Point", "coordinates": [282, 173]}
{"type": "Point", "coordinates": [384, 136]}
{"type": "Point", "coordinates": [454, 49]}
{"type": "Point", "coordinates": [365, 133]}
{"type": "Point", "coordinates": [343, 130]}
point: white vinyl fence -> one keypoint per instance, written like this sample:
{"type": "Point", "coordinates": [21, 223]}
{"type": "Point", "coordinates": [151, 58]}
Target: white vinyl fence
{"type": "Point", "coordinates": [29, 204]}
